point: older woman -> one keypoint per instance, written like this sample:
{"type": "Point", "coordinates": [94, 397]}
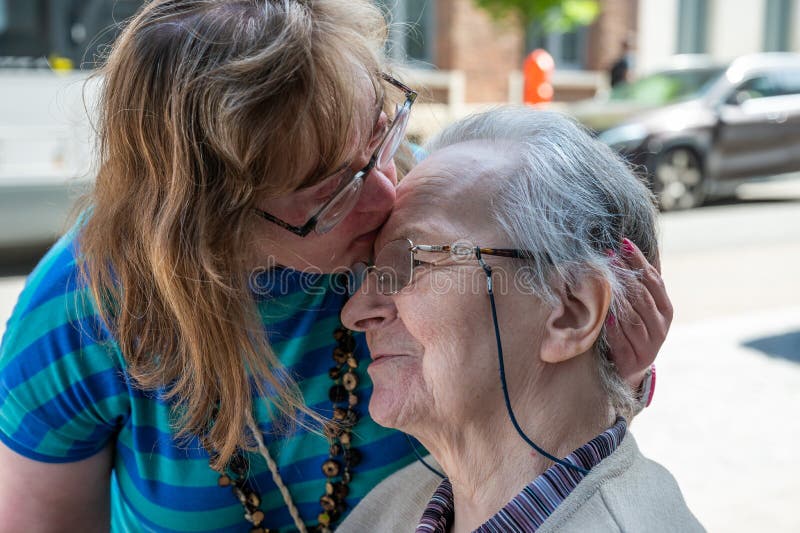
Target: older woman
{"type": "Point", "coordinates": [486, 321]}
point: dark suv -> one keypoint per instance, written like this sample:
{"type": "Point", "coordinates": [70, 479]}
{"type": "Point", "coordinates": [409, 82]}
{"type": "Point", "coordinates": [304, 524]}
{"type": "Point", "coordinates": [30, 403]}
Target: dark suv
{"type": "Point", "coordinates": [700, 130]}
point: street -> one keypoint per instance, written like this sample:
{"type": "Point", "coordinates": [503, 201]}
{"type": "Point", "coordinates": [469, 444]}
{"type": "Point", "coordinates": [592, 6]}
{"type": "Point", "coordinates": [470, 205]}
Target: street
{"type": "Point", "coordinates": [724, 419]}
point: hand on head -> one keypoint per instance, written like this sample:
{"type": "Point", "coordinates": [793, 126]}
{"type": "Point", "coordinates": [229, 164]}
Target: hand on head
{"type": "Point", "coordinates": [636, 338]}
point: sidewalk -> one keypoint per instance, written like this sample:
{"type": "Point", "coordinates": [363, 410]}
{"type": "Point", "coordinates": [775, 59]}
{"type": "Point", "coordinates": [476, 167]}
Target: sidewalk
{"type": "Point", "coordinates": [724, 419]}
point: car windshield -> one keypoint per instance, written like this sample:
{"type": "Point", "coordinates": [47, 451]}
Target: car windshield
{"type": "Point", "coordinates": [666, 87]}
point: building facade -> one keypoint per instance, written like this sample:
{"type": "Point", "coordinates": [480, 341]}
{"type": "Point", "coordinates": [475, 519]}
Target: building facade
{"type": "Point", "coordinates": [457, 36]}
{"type": "Point", "coordinates": [723, 29]}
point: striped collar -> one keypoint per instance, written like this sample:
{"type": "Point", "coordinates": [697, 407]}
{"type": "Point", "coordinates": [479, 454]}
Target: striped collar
{"type": "Point", "coordinates": [537, 501]}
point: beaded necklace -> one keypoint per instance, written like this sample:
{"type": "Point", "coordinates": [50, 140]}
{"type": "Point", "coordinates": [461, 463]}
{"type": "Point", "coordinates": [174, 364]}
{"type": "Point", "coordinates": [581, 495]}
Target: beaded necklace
{"type": "Point", "coordinates": [342, 456]}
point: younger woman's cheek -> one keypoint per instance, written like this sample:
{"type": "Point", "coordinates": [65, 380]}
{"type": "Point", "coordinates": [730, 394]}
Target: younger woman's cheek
{"type": "Point", "coordinates": [390, 171]}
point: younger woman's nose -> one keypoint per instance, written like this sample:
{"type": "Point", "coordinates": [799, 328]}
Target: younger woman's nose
{"type": "Point", "coordinates": [379, 191]}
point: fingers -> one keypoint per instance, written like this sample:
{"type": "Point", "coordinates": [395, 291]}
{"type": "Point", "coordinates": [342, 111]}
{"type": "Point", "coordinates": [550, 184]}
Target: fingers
{"type": "Point", "coordinates": [623, 353]}
{"type": "Point", "coordinates": [636, 336]}
{"type": "Point", "coordinates": [655, 292]}
{"type": "Point", "coordinates": [639, 348]}
{"type": "Point", "coordinates": [650, 275]}
{"type": "Point", "coordinates": [644, 325]}
{"type": "Point", "coordinates": [636, 258]}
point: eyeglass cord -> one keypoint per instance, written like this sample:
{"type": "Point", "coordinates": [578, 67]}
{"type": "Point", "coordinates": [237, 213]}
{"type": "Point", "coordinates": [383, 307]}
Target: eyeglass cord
{"type": "Point", "coordinates": [420, 459]}
{"type": "Point", "coordinates": [488, 270]}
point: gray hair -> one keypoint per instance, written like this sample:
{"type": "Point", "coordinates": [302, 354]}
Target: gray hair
{"type": "Point", "coordinates": [569, 200]}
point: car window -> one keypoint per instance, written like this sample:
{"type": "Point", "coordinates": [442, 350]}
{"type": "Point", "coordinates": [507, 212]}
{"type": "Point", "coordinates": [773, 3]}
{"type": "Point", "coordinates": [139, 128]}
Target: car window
{"type": "Point", "coordinates": [789, 82]}
{"type": "Point", "coordinates": [781, 83]}
{"type": "Point", "coordinates": [666, 87]}
{"type": "Point", "coordinates": [761, 86]}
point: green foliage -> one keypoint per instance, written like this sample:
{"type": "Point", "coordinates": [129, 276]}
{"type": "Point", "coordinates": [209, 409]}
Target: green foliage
{"type": "Point", "coordinates": [549, 15]}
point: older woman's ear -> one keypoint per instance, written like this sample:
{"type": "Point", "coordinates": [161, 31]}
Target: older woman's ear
{"type": "Point", "coordinates": [575, 322]}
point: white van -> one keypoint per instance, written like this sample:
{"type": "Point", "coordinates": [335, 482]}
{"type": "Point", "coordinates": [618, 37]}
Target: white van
{"type": "Point", "coordinates": [47, 49]}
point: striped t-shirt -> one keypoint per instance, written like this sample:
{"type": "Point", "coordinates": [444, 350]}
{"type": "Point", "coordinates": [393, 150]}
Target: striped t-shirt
{"type": "Point", "coordinates": [65, 395]}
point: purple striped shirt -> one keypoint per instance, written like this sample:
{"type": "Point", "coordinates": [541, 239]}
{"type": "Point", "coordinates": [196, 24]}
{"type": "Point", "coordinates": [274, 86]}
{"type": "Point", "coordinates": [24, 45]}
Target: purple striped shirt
{"type": "Point", "coordinates": [537, 501]}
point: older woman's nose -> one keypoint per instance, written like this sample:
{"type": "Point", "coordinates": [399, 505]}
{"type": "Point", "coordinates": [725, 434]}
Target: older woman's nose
{"type": "Point", "coordinates": [367, 309]}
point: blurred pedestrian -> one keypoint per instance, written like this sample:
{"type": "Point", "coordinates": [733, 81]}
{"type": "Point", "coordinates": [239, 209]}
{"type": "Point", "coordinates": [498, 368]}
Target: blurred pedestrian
{"type": "Point", "coordinates": [621, 69]}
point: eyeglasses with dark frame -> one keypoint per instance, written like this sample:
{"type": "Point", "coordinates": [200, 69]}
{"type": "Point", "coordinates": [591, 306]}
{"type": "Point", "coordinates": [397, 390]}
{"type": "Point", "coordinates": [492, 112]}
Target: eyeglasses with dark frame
{"type": "Point", "coordinates": [342, 201]}
{"type": "Point", "coordinates": [395, 263]}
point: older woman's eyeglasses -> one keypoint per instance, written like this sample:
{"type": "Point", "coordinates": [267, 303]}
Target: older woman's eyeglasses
{"type": "Point", "coordinates": [342, 201]}
{"type": "Point", "coordinates": [395, 263]}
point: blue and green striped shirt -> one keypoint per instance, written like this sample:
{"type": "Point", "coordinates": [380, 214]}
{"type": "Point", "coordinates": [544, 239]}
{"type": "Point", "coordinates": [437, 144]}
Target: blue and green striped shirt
{"type": "Point", "coordinates": [65, 395]}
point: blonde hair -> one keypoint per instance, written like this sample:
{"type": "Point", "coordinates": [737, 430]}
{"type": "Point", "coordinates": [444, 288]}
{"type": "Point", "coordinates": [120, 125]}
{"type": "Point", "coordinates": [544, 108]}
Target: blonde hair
{"type": "Point", "coordinates": [205, 106]}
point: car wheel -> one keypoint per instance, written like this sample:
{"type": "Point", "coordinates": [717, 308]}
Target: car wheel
{"type": "Point", "coordinates": [678, 179]}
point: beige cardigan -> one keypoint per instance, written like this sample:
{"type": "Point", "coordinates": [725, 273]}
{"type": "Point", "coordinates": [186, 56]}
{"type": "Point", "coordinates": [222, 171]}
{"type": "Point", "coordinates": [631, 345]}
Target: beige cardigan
{"type": "Point", "coordinates": [625, 492]}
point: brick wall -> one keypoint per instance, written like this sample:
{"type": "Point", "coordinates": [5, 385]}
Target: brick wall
{"type": "Point", "coordinates": [487, 51]}
{"type": "Point", "coordinates": [617, 20]}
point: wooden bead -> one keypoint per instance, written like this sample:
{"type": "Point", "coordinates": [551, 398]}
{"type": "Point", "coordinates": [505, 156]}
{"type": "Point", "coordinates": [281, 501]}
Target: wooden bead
{"type": "Point", "coordinates": [350, 419]}
{"type": "Point", "coordinates": [352, 362]}
{"type": "Point", "coordinates": [239, 464]}
{"type": "Point", "coordinates": [347, 343]}
{"type": "Point", "coordinates": [337, 394]}
{"type": "Point", "coordinates": [327, 503]}
{"type": "Point", "coordinates": [339, 413]}
{"type": "Point", "coordinates": [340, 355]}
{"type": "Point", "coordinates": [352, 400]}
{"type": "Point", "coordinates": [352, 457]}
{"type": "Point", "coordinates": [333, 430]}
{"type": "Point", "coordinates": [258, 517]}
{"type": "Point", "coordinates": [350, 382]}
{"type": "Point", "coordinates": [224, 481]}
{"type": "Point", "coordinates": [340, 491]}
{"type": "Point", "coordinates": [344, 438]}
{"type": "Point", "coordinates": [253, 499]}
{"type": "Point", "coordinates": [240, 495]}
{"type": "Point", "coordinates": [324, 519]}
{"type": "Point", "coordinates": [331, 468]}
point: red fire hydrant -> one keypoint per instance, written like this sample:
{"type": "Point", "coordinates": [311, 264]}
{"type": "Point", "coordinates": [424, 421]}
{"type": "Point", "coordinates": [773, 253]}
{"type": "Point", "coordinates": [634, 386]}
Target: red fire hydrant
{"type": "Point", "coordinates": [537, 71]}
